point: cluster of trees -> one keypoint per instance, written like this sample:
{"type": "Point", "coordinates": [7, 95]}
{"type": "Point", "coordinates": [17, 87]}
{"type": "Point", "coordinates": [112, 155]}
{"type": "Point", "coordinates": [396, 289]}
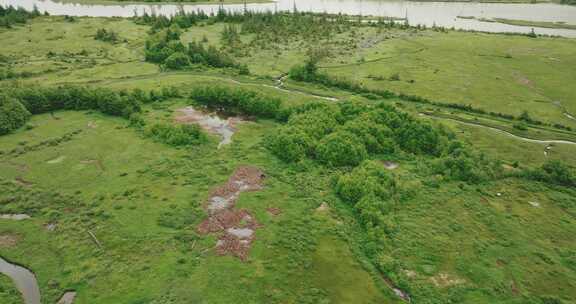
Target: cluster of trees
{"type": "Point", "coordinates": [13, 114]}
{"type": "Point", "coordinates": [106, 35]}
{"type": "Point", "coordinates": [164, 47]}
{"type": "Point", "coordinates": [345, 135]}
{"type": "Point", "coordinates": [18, 103]}
{"type": "Point", "coordinates": [237, 101]}
{"type": "Point", "coordinates": [177, 135]}
{"type": "Point", "coordinates": [10, 15]}
{"type": "Point", "coordinates": [182, 19]}
{"type": "Point", "coordinates": [48, 99]}
{"type": "Point", "coordinates": [460, 163]}
{"type": "Point", "coordinates": [230, 36]}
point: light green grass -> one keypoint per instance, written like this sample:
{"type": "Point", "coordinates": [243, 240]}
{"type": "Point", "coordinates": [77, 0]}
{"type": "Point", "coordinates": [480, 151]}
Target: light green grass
{"type": "Point", "coordinates": [499, 73]}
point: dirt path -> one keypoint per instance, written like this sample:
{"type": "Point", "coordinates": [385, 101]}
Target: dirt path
{"type": "Point", "coordinates": [538, 141]}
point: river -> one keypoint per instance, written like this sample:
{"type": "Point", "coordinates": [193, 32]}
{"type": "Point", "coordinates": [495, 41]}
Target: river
{"type": "Point", "coordinates": [24, 280]}
{"type": "Point", "coordinates": [425, 13]}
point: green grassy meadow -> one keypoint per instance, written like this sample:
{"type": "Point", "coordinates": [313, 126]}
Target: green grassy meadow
{"type": "Point", "coordinates": [510, 240]}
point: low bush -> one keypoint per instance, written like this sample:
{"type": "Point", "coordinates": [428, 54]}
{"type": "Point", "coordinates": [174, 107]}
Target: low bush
{"type": "Point", "coordinates": [341, 149]}
{"type": "Point", "coordinates": [106, 36]}
{"type": "Point", "coordinates": [13, 114]}
{"type": "Point", "coordinates": [179, 135]}
{"type": "Point", "coordinates": [290, 144]}
{"type": "Point", "coordinates": [553, 172]}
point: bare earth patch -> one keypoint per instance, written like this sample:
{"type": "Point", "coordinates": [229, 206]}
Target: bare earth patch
{"type": "Point", "coordinates": [15, 217]}
{"type": "Point", "coordinates": [235, 227]}
{"type": "Point", "coordinates": [8, 240]}
{"type": "Point", "coordinates": [446, 280]}
{"type": "Point", "coordinates": [67, 298]}
{"type": "Point", "coordinates": [274, 211]}
{"type": "Point", "coordinates": [22, 182]}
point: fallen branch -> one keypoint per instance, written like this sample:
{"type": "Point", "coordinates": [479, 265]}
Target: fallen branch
{"type": "Point", "coordinates": [95, 239]}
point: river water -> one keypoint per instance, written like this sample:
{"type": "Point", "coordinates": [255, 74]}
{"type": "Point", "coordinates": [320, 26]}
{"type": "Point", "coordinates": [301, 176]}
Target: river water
{"type": "Point", "coordinates": [24, 280]}
{"type": "Point", "coordinates": [425, 13]}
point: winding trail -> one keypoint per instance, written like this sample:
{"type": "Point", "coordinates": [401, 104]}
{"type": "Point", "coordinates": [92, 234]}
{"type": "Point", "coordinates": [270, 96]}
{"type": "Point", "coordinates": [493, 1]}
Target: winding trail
{"type": "Point", "coordinates": [527, 139]}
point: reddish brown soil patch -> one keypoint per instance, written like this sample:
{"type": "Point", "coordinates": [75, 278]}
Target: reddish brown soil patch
{"type": "Point", "coordinates": [235, 226]}
{"type": "Point", "coordinates": [274, 211]}
{"type": "Point", "coordinates": [8, 240]}
{"type": "Point", "coordinates": [22, 182]}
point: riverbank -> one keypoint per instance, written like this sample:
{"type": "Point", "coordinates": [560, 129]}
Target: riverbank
{"type": "Point", "coordinates": [542, 24]}
{"type": "Point", "coordinates": [444, 13]}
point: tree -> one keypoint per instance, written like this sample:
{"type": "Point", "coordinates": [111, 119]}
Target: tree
{"type": "Point", "coordinates": [341, 149]}
{"type": "Point", "coordinates": [290, 144]}
{"type": "Point", "coordinates": [177, 61]}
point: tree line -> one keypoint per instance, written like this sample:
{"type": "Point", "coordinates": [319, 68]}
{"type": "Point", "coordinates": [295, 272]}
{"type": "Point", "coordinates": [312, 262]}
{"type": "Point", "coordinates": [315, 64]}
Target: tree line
{"type": "Point", "coordinates": [10, 15]}
{"type": "Point", "coordinates": [165, 48]}
{"type": "Point", "coordinates": [19, 103]}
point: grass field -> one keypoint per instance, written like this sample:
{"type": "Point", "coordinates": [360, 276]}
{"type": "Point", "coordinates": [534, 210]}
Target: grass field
{"type": "Point", "coordinates": [509, 240]}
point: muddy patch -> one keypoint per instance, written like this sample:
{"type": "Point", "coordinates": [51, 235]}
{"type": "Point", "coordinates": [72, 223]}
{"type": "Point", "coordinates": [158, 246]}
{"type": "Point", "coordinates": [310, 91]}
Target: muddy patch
{"type": "Point", "coordinates": [236, 227]}
{"type": "Point", "coordinates": [15, 217]}
{"type": "Point", "coordinates": [67, 298]}
{"type": "Point", "coordinates": [211, 122]}
{"type": "Point", "coordinates": [22, 182]}
{"type": "Point", "coordinates": [274, 211]}
{"type": "Point", "coordinates": [523, 80]}
{"type": "Point", "coordinates": [8, 240]}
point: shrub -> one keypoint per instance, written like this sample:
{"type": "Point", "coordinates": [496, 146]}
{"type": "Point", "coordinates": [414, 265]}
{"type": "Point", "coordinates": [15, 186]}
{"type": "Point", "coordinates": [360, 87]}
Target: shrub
{"type": "Point", "coordinates": [13, 114]}
{"type": "Point", "coordinates": [419, 138]}
{"type": "Point", "coordinates": [177, 61]}
{"type": "Point", "coordinates": [180, 135]}
{"type": "Point", "coordinates": [106, 36]}
{"type": "Point", "coordinates": [554, 172]}
{"type": "Point", "coordinates": [290, 144]}
{"type": "Point", "coordinates": [370, 178]}
{"type": "Point", "coordinates": [316, 122]}
{"type": "Point", "coordinates": [341, 149]}
{"type": "Point", "coordinates": [375, 137]}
